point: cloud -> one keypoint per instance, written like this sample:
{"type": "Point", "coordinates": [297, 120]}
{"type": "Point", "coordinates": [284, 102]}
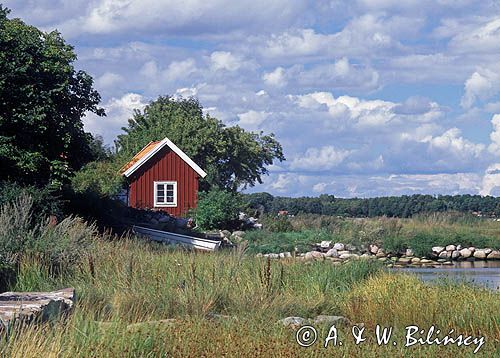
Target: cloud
{"type": "Point", "coordinates": [491, 181]}
{"type": "Point", "coordinates": [481, 39]}
{"type": "Point", "coordinates": [275, 78]}
{"type": "Point", "coordinates": [320, 159]}
{"type": "Point", "coordinates": [251, 120]}
{"type": "Point", "coordinates": [223, 60]}
{"type": "Point", "coordinates": [494, 147]}
{"type": "Point", "coordinates": [482, 84]}
{"type": "Point", "coordinates": [118, 111]}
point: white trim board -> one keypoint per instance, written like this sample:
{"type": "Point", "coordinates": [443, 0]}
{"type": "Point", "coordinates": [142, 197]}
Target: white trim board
{"type": "Point", "coordinates": [156, 149]}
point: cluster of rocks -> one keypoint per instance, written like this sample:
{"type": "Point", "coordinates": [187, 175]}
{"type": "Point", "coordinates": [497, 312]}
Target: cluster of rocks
{"type": "Point", "coordinates": [25, 307]}
{"type": "Point", "coordinates": [338, 253]}
{"type": "Point", "coordinates": [296, 322]}
{"type": "Point", "coordinates": [249, 221]}
{"type": "Point", "coordinates": [457, 252]}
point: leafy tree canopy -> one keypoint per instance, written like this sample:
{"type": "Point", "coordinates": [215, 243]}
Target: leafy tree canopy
{"type": "Point", "coordinates": [232, 157]}
{"type": "Point", "coordinates": [42, 101]}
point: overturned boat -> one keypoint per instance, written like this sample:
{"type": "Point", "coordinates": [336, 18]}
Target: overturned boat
{"type": "Point", "coordinates": [177, 239]}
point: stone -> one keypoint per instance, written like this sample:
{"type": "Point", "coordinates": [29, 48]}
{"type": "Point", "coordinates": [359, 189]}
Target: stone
{"type": "Point", "coordinates": [292, 322]}
{"type": "Point", "coordinates": [239, 233]}
{"type": "Point", "coordinates": [331, 320]}
{"type": "Point", "coordinates": [281, 255]}
{"type": "Point", "coordinates": [451, 248]}
{"type": "Point", "coordinates": [350, 247]}
{"type": "Point", "coordinates": [348, 256]}
{"type": "Point", "coordinates": [225, 234]}
{"type": "Point", "coordinates": [325, 244]}
{"type": "Point", "coordinates": [259, 254]}
{"type": "Point", "coordinates": [472, 248]}
{"type": "Point", "coordinates": [444, 255]}
{"type": "Point", "coordinates": [494, 255]}
{"type": "Point", "coordinates": [455, 254]}
{"type": "Point", "coordinates": [332, 253]}
{"type": "Point", "coordinates": [465, 253]}
{"type": "Point", "coordinates": [487, 251]}
{"type": "Point", "coordinates": [404, 260]}
{"type": "Point", "coordinates": [409, 252]}
{"type": "Point", "coordinates": [31, 306]}
{"type": "Point", "coordinates": [314, 255]}
{"type": "Point", "coordinates": [374, 249]}
{"type": "Point", "coordinates": [415, 260]}
{"type": "Point", "coordinates": [287, 254]}
{"type": "Point", "coordinates": [273, 256]}
{"type": "Point", "coordinates": [426, 261]}
{"type": "Point", "coordinates": [437, 249]}
{"type": "Point", "coordinates": [480, 254]}
{"type": "Point", "coordinates": [342, 252]}
{"type": "Point", "coordinates": [339, 246]}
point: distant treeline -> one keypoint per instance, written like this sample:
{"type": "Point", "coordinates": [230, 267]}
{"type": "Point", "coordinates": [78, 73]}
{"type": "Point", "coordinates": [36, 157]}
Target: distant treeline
{"type": "Point", "coordinates": [392, 206]}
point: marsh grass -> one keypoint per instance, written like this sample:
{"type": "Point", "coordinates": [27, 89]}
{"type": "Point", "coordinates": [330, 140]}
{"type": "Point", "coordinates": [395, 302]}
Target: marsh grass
{"type": "Point", "coordinates": [125, 288]}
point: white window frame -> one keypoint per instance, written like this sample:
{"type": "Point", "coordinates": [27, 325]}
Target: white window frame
{"type": "Point", "coordinates": [165, 204]}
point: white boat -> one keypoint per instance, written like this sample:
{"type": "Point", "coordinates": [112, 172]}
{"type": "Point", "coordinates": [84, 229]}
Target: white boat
{"type": "Point", "coordinates": [178, 239]}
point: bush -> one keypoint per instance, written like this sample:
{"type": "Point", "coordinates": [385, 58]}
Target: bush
{"type": "Point", "coordinates": [218, 209]}
{"type": "Point", "coordinates": [58, 244]}
{"type": "Point", "coordinates": [44, 202]}
{"type": "Point", "coordinates": [100, 177]}
{"type": "Point", "coordinates": [277, 223]}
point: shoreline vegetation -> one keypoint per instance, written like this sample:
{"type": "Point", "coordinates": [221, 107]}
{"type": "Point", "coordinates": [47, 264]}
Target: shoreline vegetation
{"type": "Point", "coordinates": [136, 298]}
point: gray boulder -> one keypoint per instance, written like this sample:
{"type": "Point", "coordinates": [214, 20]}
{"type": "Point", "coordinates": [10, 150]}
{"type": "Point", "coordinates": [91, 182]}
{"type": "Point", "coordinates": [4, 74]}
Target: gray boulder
{"type": "Point", "coordinates": [465, 253]}
{"type": "Point", "coordinates": [373, 249]}
{"type": "Point", "coordinates": [437, 249]}
{"type": "Point", "coordinates": [31, 306]}
{"type": "Point", "coordinates": [339, 246]}
{"type": "Point", "coordinates": [494, 255]}
{"type": "Point", "coordinates": [480, 254]}
{"type": "Point", "coordinates": [332, 253]}
{"type": "Point", "coordinates": [455, 254]}
{"type": "Point", "coordinates": [451, 248]}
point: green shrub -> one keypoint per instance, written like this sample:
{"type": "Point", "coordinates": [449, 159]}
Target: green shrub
{"type": "Point", "coordinates": [277, 223]}
{"type": "Point", "coordinates": [218, 209]}
{"type": "Point", "coordinates": [100, 177]}
{"type": "Point", "coordinates": [395, 244]}
{"type": "Point", "coordinates": [44, 202]}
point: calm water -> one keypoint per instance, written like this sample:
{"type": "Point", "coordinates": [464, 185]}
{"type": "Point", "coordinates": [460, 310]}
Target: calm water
{"type": "Point", "coordinates": [483, 273]}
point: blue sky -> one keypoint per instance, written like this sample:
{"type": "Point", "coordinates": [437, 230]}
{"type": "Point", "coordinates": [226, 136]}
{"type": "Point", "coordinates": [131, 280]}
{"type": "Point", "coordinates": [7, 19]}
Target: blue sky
{"type": "Point", "coordinates": [368, 97]}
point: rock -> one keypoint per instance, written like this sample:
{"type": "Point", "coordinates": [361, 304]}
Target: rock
{"type": "Point", "coordinates": [494, 255]}
{"type": "Point", "coordinates": [342, 252]}
{"type": "Point", "coordinates": [339, 246]}
{"type": "Point", "coordinates": [225, 234]}
{"type": "Point", "coordinates": [154, 221]}
{"type": "Point", "coordinates": [472, 248]}
{"type": "Point", "coordinates": [30, 306]}
{"type": "Point", "coordinates": [331, 320]}
{"type": "Point", "coordinates": [350, 247]}
{"type": "Point", "coordinates": [426, 261]}
{"type": "Point", "coordinates": [332, 253]}
{"type": "Point", "coordinates": [314, 255]}
{"type": "Point", "coordinates": [480, 254]}
{"type": "Point", "coordinates": [487, 251]}
{"type": "Point", "coordinates": [447, 263]}
{"type": "Point", "coordinates": [465, 253]}
{"type": "Point", "coordinates": [325, 244]}
{"type": "Point", "coordinates": [450, 248]}
{"type": "Point", "coordinates": [455, 254]}
{"type": "Point", "coordinates": [292, 322]}
{"type": "Point", "coordinates": [281, 255]}
{"type": "Point", "coordinates": [373, 249]}
{"type": "Point", "coordinates": [437, 249]}
{"type": "Point", "coordinates": [287, 254]}
{"type": "Point", "coordinates": [381, 253]}
{"type": "Point", "coordinates": [404, 260]}
{"type": "Point", "coordinates": [239, 233]}
{"type": "Point", "coordinates": [459, 247]}
{"type": "Point", "coordinates": [348, 256]}
{"type": "Point", "coordinates": [415, 260]}
{"type": "Point", "coordinates": [272, 256]}
{"type": "Point", "coordinates": [444, 255]}
{"type": "Point", "coordinates": [242, 216]}
{"type": "Point", "coordinates": [409, 252]}
{"type": "Point", "coordinates": [259, 254]}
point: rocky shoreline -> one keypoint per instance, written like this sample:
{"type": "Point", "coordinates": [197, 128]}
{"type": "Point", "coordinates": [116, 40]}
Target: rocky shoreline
{"type": "Point", "coordinates": [339, 252]}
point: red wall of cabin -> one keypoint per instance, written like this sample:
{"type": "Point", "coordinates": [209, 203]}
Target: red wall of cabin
{"type": "Point", "coordinates": [166, 165]}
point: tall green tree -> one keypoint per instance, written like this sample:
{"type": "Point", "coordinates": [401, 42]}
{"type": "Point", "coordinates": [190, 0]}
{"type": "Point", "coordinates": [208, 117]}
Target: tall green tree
{"type": "Point", "coordinates": [42, 102]}
{"type": "Point", "coordinates": [232, 157]}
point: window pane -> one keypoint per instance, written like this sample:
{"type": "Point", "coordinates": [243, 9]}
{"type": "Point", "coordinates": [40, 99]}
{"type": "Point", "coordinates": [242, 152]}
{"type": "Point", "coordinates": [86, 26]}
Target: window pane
{"type": "Point", "coordinates": [170, 199]}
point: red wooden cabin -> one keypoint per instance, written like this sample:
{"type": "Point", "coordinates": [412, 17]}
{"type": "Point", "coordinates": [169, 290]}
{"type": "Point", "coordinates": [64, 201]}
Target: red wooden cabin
{"type": "Point", "coordinates": [162, 177]}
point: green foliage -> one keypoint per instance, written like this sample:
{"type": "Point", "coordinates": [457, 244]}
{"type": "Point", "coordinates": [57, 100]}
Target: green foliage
{"type": "Point", "coordinates": [403, 206]}
{"type": "Point", "coordinates": [232, 157]}
{"type": "Point", "coordinates": [276, 223]}
{"type": "Point", "coordinates": [217, 209]}
{"type": "Point", "coordinates": [44, 201]}
{"type": "Point", "coordinates": [101, 177]}
{"type": "Point", "coordinates": [43, 100]}
{"type": "Point", "coordinates": [58, 244]}
{"type": "Point", "coordinates": [395, 244]}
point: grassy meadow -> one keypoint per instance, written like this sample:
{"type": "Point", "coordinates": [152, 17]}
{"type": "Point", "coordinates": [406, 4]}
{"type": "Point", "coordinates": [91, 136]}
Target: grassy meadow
{"type": "Point", "coordinates": [419, 233]}
{"type": "Point", "coordinates": [141, 299]}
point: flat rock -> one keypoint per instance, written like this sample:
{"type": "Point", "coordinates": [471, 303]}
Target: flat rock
{"type": "Point", "coordinates": [332, 253]}
{"type": "Point", "coordinates": [292, 322]}
{"type": "Point", "coordinates": [31, 306]}
{"type": "Point", "coordinates": [339, 246]}
{"type": "Point", "coordinates": [450, 248]}
{"type": "Point", "coordinates": [465, 253]}
{"type": "Point", "coordinates": [444, 255]}
{"type": "Point", "coordinates": [494, 255]}
{"type": "Point", "coordinates": [314, 255]}
{"type": "Point", "coordinates": [480, 254]}
{"type": "Point", "coordinates": [437, 249]}
{"type": "Point", "coordinates": [330, 320]}
{"type": "Point", "coordinates": [455, 254]}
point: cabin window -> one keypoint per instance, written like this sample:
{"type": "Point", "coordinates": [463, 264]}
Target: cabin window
{"type": "Point", "coordinates": [165, 193]}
